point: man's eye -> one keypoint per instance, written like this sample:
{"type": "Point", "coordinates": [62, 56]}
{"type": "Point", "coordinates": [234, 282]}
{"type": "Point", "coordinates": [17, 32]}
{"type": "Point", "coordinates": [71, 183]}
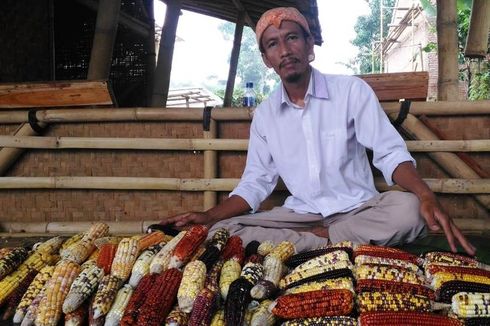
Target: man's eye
{"type": "Point", "coordinates": [271, 44]}
{"type": "Point", "coordinates": [292, 37]}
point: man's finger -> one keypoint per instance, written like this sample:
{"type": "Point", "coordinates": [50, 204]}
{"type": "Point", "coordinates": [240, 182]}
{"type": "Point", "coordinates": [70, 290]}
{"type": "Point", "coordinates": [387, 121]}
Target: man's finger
{"type": "Point", "coordinates": [467, 246]}
{"type": "Point", "coordinates": [448, 232]}
{"type": "Point", "coordinates": [429, 219]}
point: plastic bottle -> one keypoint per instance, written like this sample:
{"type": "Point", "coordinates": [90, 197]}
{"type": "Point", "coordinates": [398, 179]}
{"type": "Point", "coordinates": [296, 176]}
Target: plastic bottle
{"type": "Point", "coordinates": [249, 97]}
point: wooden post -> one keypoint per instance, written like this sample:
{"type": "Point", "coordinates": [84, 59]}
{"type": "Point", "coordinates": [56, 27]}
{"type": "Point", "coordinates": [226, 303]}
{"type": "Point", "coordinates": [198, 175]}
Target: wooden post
{"type": "Point", "coordinates": [151, 55]}
{"type": "Point", "coordinates": [210, 167]}
{"type": "Point", "coordinates": [104, 38]}
{"type": "Point", "coordinates": [165, 54]}
{"type": "Point", "coordinates": [477, 40]}
{"type": "Point", "coordinates": [447, 49]}
{"type": "Point", "coordinates": [235, 54]}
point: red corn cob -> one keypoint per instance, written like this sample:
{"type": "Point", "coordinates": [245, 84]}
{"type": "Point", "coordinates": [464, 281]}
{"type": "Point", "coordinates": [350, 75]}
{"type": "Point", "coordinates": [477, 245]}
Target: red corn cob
{"type": "Point", "coordinates": [403, 317]}
{"type": "Point", "coordinates": [204, 307]}
{"type": "Point", "coordinates": [234, 248]}
{"type": "Point", "coordinates": [160, 299]}
{"type": "Point", "coordinates": [106, 256]}
{"type": "Point", "coordinates": [137, 299]}
{"type": "Point", "coordinates": [368, 285]}
{"type": "Point", "coordinates": [186, 247]}
{"type": "Point", "coordinates": [386, 252]}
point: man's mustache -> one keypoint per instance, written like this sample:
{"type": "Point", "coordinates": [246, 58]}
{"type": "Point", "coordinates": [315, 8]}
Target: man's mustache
{"type": "Point", "coordinates": [288, 61]}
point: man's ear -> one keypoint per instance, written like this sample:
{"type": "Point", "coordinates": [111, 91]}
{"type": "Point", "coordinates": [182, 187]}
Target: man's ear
{"type": "Point", "coordinates": [266, 61]}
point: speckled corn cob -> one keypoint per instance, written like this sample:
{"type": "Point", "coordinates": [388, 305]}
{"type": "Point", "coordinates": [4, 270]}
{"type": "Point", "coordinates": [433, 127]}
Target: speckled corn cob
{"type": "Point", "coordinates": [162, 259]}
{"type": "Point", "coordinates": [212, 277]}
{"type": "Point", "coordinates": [274, 269]}
{"type": "Point", "coordinates": [105, 295]}
{"type": "Point", "coordinates": [219, 238]}
{"type": "Point", "coordinates": [96, 230]}
{"type": "Point", "coordinates": [192, 282]}
{"type": "Point", "coordinates": [432, 269]}
{"type": "Point", "coordinates": [126, 255]}
{"type": "Point", "coordinates": [71, 240]}
{"type": "Point", "coordinates": [15, 297]}
{"type": "Point", "coordinates": [402, 317]}
{"type": "Point", "coordinates": [81, 250]}
{"type": "Point", "coordinates": [262, 316]}
{"type": "Point", "coordinates": [218, 318]}
{"type": "Point", "coordinates": [252, 272]}
{"type": "Point", "coordinates": [314, 304]}
{"type": "Point", "coordinates": [82, 288]}
{"type": "Point", "coordinates": [151, 239]}
{"type": "Point", "coordinates": [394, 287]}
{"type": "Point", "coordinates": [50, 309]}
{"type": "Point", "coordinates": [440, 278]}
{"type": "Point", "coordinates": [322, 321]}
{"type": "Point", "coordinates": [142, 265]}
{"type": "Point", "coordinates": [78, 316]}
{"type": "Point", "coordinates": [302, 257]}
{"type": "Point", "coordinates": [31, 313]}
{"type": "Point", "coordinates": [378, 272]}
{"type": "Point", "coordinates": [371, 260]}
{"type": "Point", "coordinates": [265, 248]}
{"type": "Point", "coordinates": [92, 321]}
{"type": "Point", "coordinates": [291, 279]}
{"type": "Point", "coordinates": [449, 259]}
{"type": "Point", "coordinates": [11, 261]}
{"type": "Point", "coordinates": [450, 288]}
{"type": "Point", "coordinates": [468, 305]}
{"type": "Point", "coordinates": [385, 301]}
{"type": "Point", "coordinates": [186, 247]}
{"type": "Point", "coordinates": [332, 284]}
{"type": "Point", "coordinates": [32, 291]}
{"type": "Point", "coordinates": [231, 271]}
{"type": "Point", "coordinates": [116, 312]}
{"type": "Point", "coordinates": [330, 258]}
{"type": "Point", "coordinates": [386, 252]}
{"type": "Point", "coordinates": [283, 251]}
{"type": "Point", "coordinates": [177, 317]}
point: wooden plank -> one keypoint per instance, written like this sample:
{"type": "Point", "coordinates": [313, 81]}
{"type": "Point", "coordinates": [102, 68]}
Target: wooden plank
{"type": "Point", "coordinates": [400, 85]}
{"type": "Point", "coordinates": [54, 94]}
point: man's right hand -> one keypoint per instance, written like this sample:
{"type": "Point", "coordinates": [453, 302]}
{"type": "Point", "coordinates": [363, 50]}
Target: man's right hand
{"type": "Point", "coordinates": [189, 218]}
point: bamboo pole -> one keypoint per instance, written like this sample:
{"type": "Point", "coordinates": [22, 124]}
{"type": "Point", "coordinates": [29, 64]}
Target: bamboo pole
{"type": "Point", "coordinates": [450, 162]}
{"type": "Point", "coordinates": [235, 53]}
{"type": "Point", "coordinates": [151, 59]}
{"type": "Point", "coordinates": [442, 108]}
{"type": "Point", "coordinates": [447, 50]}
{"type": "Point", "coordinates": [104, 38]}
{"type": "Point", "coordinates": [477, 40]}
{"type": "Point", "coordinates": [453, 186]}
{"type": "Point", "coordinates": [207, 144]}
{"type": "Point", "coordinates": [210, 167]}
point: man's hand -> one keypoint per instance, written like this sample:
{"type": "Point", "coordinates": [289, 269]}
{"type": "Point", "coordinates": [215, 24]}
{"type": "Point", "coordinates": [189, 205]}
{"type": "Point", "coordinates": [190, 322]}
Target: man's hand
{"type": "Point", "coordinates": [435, 217]}
{"type": "Point", "coordinates": [189, 218]}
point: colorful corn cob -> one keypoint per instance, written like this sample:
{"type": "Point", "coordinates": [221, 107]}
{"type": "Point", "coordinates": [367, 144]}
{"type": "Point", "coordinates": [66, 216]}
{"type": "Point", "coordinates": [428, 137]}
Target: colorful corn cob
{"type": "Point", "coordinates": [177, 317]}
{"type": "Point", "coordinates": [432, 269]}
{"type": "Point", "coordinates": [252, 272]}
{"type": "Point", "coordinates": [92, 321]}
{"type": "Point", "coordinates": [50, 309]}
{"type": "Point", "coordinates": [394, 287]}
{"type": "Point", "coordinates": [237, 301]}
{"type": "Point", "coordinates": [31, 313]}
{"type": "Point", "coordinates": [379, 272]}
{"type": "Point", "coordinates": [372, 260]}
{"type": "Point", "coordinates": [307, 275]}
{"type": "Point", "coordinates": [283, 251]}
{"type": "Point", "coordinates": [440, 278]}
{"type": "Point", "coordinates": [210, 256]}
{"type": "Point", "coordinates": [213, 276]}
{"type": "Point", "coordinates": [116, 312]}
{"type": "Point", "coordinates": [402, 317]}
{"type": "Point", "coordinates": [386, 252]}
{"type": "Point", "coordinates": [78, 316]}
{"type": "Point", "coordinates": [322, 321]}
{"type": "Point", "coordinates": [330, 258]}
{"type": "Point", "coordinates": [186, 247]}
{"type": "Point", "coordinates": [220, 238]}
{"type": "Point", "coordinates": [142, 265]}
{"type": "Point", "coordinates": [71, 240]}
{"type": "Point", "coordinates": [218, 318]}
{"type": "Point", "coordinates": [449, 259]}
{"type": "Point", "coordinates": [82, 288]}
{"type": "Point", "coordinates": [331, 284]}
{"type": "Point", "coordinates": [99, 242]}
{"type": "Point", "coordinates": [151, 239]}
{"type": "Point", "coordinates": [203, 308]}
{"type": "Point", "coordinates": [11, 260]}
{"type": "Point", "coordinates": [15, 297]}
{"type": "Point", "coordinates": [162, 259]}
{"type": "Point", "coordinates": [106, 294]}
{"type": "Point", "coordinates": [450, 288]}
{"type": "Point", "coordinates": [234, 248]}
{"type": "Point", "coordinates": [160, 298]}
{"type": "Point", "coordinates": [274, 269]}
{"type": "Point", "coordinates": [386, 301]}
{"type": "Point", "coordinates": [230, 272]}
{"type": "Point", "coordinates": [81, 250]}
{"type": "Point", "coordinates": [265, 248]}
{"type": "Point", "coordinates": [302, 257]}
{"type": "Point", "coordinates": [192, 282]}
{"type": "Point", "coordinates": [262, 316]}
{"type": "Point", "coordinates": [314, 304]}
{"type": "Point", "coordinates": [32, 291]}
{"type": "Point", "coordinates": [471, 304]}
{"type": "Point", "coordinates": [130, 315]}
{"type": "Point", "coordinates": [126, 255]}
{"type": "Point", "coordinates": [107, 252]}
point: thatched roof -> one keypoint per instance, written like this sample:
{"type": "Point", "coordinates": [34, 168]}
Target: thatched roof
{"type": "Point", "coordinates": [253, 9]}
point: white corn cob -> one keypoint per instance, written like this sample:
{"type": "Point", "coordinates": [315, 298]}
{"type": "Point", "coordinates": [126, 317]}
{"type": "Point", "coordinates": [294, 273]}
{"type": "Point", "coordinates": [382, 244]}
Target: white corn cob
{"type": "Point", "coordinates": [83, 286]}
{"type": "Point", "coordinates": [162, 259]}
{"type": "Point", "coordinates": [116, 312]}
{"type": "Point", "coordinates": [142, 265]}
{"type": "Point", "coordinates": [323, 260]}
{"type": "Point", "coordinates": [105, 295]}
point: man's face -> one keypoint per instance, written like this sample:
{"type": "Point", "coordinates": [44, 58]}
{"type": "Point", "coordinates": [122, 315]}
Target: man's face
{"type": "Point", "coordinates": [286, 50]}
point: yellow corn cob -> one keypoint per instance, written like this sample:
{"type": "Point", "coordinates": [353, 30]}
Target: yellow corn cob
{"type": "Point", "coordinates": [274, 269]}
{"type": "Point", "coordinates": [71, 240]}
{"type": "Point", "coordinates": [330, 258]}
{"type": "Point", "coordinates": [36, 286]}
{"type": "Point", "coordinates": [468, 304]}
{"type": "Point", "coordinates": [378, 272]}
{"type": "Point", "coordinates": [229, 272]}
{"type": "Point", "coordinates": [247, 318]}
{"type": "Point", "coordinates": [151, 239]}
{"type": "Point", "coordinates": [386, 301]}
{"type": "Point", "coordinates": [126, 255]}
{"type": "Point", "coordinates": [252, 272]}
{"type": "Point", "coordinates": [142, 265]}
{"type": "Point", "coordinates": [50, 246]}
{"type": "Point", "coordinates": [117, 310]}
{"type": "Point", "coordinates": [265, 248]}
{"type": "Point", "coordinates": [283, 250]}
{"type": "Point", "coordinates": [96, 230]}
{"type": "Point", "coordinates": [83, 286]}
{"type": "Point", "coordinates": [177, 317]}
{"type": "Point", "coordinates": [162, 259]}
{"type": "Point", "coordinates": [218, 318]}
{"type": "Point", "coordinates": [262, 316]}
{"type": "Point", "coordinates": [292, 278]}
{"type": "Point", "coordinates": [365, 259]}
{"type": "Point", "coordinates": [105, 295]}
{"type": "Point", "coordinates": [49, 311]}
{"type": "Point", "coordinates": [439, 278]}
{"type": "Point", "coordinates": [192, 282]}
{"type": "Point", "coordinates": [99, 242]}
{"type": "Point", "coordinates": [332, 284]}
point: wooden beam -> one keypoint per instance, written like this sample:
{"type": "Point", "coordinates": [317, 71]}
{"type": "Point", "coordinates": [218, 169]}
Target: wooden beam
{"type": "Point", "coordinates": [447, 49]}
{"type": "Point", "coordinates": [395, 86]}
{"type": "Point", "coordinates": [477, 40]}
{"type": "Point", "coordinates": [151, 59]}
{"type": "Point", "coordinates": [104, 38]}
{"type": "Point", "coordinates": [235, 54]}
{"type": "Point", "coordinates": [241, 9]}
{"type": "Point", "coordinates": [165, 54]}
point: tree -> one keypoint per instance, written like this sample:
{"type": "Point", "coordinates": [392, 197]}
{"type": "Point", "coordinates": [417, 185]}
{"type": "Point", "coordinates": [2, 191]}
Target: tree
{"type": "Point", "coordinates": [368, 34]}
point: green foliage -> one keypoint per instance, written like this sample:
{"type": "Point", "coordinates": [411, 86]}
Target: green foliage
{"type": "Point", "coordinates": [368, 32]}
{"type": "Point", "coordinates": [479, 88]}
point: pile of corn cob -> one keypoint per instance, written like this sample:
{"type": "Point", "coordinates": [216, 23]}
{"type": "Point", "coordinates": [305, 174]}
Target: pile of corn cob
{"type": "Point", "coordinates": [155, 279]}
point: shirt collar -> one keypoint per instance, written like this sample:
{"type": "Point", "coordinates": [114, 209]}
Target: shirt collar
{"type": "Point", "coordinates": [317, 87]}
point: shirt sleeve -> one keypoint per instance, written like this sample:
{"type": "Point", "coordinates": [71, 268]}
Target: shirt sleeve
{"type": "Point", "coordinates": [260, 175]}
{"type": "Point", "coordinates": [375, 131]}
